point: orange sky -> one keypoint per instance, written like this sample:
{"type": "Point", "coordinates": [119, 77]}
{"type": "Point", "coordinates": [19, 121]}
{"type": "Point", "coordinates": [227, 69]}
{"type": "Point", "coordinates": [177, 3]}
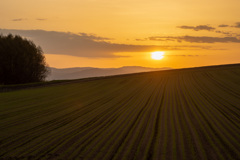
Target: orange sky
{"type": "Point", "coordinates": [119, 33]}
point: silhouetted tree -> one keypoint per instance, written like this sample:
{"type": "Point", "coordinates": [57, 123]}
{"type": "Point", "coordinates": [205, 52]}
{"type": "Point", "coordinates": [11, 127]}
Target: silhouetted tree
{"type": "Point", "coordinates": [21, 61]}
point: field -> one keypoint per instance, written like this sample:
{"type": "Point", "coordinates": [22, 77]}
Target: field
{"type": "Point", "coordinates": [178, 114]}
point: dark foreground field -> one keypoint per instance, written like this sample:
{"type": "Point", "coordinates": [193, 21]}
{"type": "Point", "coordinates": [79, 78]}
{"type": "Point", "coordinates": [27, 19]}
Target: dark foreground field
{"type": "Point", "coordinates": [178, 114]}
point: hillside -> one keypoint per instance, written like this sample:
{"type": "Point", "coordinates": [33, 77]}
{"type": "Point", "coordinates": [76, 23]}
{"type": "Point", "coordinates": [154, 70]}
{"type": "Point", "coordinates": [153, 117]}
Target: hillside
{"type": "Point", "coordinates": [177, 114]}
{"type": "Point", "coordinates": [85, 72]}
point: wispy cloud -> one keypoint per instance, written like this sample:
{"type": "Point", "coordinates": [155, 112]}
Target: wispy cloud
{"type": "Point", "coordinates": [207, 27]}
{"type": "Point", "coordinates": [223, 25]}
{"type": "Point", "coordinates": [18, 19]}
{"type": "Point", "coordinates": [237, 25]}
{"type": "Point", "coordinates": [93, 37]}
{"type": "Point", "coordinates": [201, 39]}
{"type": "Point", "coordinates": [225, 33]}
{"type": "Point", "coordinates": [189, 55]}
{"type": "Point", "coordinates": [139, 39]}
{"type": "Point", "coordinates": [41, 19]}
{"type": "Point", "coordinates": [198, 28]}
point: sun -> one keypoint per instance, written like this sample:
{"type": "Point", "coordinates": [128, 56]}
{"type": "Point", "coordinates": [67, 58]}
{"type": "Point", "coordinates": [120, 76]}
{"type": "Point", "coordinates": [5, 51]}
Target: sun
{"type": "Point", "coordinates": [157, 55]}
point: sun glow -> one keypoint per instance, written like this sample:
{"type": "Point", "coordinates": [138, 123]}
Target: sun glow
{"type": "Point", "coordinates": [157, 55]}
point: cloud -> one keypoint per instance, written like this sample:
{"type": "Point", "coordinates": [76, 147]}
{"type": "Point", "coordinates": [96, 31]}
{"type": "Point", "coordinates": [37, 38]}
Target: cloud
{"type": "Point", "coordinates": [225, 33]}
{"type": "Point", "coordinates": [87, 45]}
{"type": "Point", "coordinates": [205, 39]}
{"type": "Point", "coordinates": [41, 19]}
{"type": "Point", "coordinates": [83, 44]}
{"type": "Point", "coordinates": [18, 19]}
{"type": "Point", "coordinates": [202, 39]}
{"type": "Point", "coordinates": [198, 28]}
{"type": "Point", "coordinates": [67, 43]}
{"type": "Point", "coordinates": [93, 37]}
{"type": "Point", "coordinates": [207, 27]}
{"type": "Point", "coordinates": [139, 39]}
{"type": "Point", "coordinates": [23, 19]}
{"type": "Point", "coordinates": [237, 25]}
{"type": "Point", "coordinates": [189, 55]}
{"type": "Point", "coordinates": [223, 25]}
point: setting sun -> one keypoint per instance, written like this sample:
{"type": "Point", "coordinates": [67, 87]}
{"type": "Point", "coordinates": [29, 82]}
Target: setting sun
{"type": "Point", "coordinates": [157, 55]}
{"type": "Point", "coordinates": [120, 79]}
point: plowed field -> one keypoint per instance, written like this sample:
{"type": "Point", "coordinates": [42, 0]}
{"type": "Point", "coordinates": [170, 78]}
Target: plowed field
{"type": "Point", "coordinates": [178, 114]}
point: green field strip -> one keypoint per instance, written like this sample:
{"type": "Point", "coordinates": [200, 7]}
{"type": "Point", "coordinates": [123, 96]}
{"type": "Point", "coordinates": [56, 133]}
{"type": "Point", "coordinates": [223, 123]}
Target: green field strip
{"type": "Point", "coordinates": [160, 149]}
{"type": "Point", "coordinates": [180, 123]}
{"type": "Point", "coordinates": [90, 149]}
{"type": "Point", "coordinates": [201, 148]}
{"type": "Point", "coordinates": [222, 131]}
{"type": "Point", "coordinates": [136, 128]}
{"type": "Point", "coordinates": [74, 111]}
{"type": "Point", "coordinates": [114, 134]}
{"type": "Point", "coordinates": [187, 132]}
{"type": "Point", "coordinates": [223, 111]}
{"type": "Point", "coordinates": [204, 129]}
{"type": "Point", "coordinates": [149, 129]}
{"type": "Point", "coordinates": [213, 95]}
{"type": "Point", "coordinates": [176, 130]}
{"type": "Point", "coordinates": [208, 125]}
{"type": "Point", "coordinates": [129, 142]}
{"type": "Point", "coordinates": [171, 142]}
{"type": "Point", "coordinates": [115, 128]}
{"type": "Point", "coordinates": [158, 107]}
{"type": "Point", "coordinates": [180, 144]}
{"type": "Point", "coordinates": [42, 104]}
{"type": "Point", "coordinates": [102, 131]}
{"type": "Point", "coordinates": [229, 124]}
{"type": "Point", "coordinates": [229, 76]}
{"type": "Point", "coordinates": [222, 104]}
{"type": "Point", "coordinates": [224, 87]}
{"type": "Point", "coordinates": [172, 128]}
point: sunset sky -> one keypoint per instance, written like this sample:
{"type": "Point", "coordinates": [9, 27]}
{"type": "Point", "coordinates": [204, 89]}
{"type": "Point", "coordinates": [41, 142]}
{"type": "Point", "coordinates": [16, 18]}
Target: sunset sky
{"type": "Point", "coordinates": [115, 33]}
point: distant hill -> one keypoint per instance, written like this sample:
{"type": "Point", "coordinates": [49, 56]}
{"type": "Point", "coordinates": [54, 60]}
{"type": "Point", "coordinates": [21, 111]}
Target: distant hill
{"type": "Point", "coordinates": [84, 72]}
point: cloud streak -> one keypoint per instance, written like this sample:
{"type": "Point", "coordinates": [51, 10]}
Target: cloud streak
{"type": "Point", "coordinates": [198, 28]}
{"type": "Point", "coordinates": [226, 33]}
{"type": "Point", "coordinates": [93, 37]}
{"type": "Point", "coordinates": [18, 19]}
{"type": "Point", "coordinates": [237, 25]}
{"type": "Point", "coordinates": [86, 45]}
{"type": "Point", "coordinates": [194, 39]}
{"type": "Point", "coordinates": [194, 55]}
{"type": "Point", "coordinates": [223, 25]}
{"type": "Point", "coordinates": [41, 19]}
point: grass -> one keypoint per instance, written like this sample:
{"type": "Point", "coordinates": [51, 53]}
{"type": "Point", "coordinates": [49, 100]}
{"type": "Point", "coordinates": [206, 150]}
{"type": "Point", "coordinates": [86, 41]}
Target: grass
{"type": "Point", "coordinates": [177, 114]}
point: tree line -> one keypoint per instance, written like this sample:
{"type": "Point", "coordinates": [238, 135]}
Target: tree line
{"type": "Point", "coordinates": [21, 61]}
